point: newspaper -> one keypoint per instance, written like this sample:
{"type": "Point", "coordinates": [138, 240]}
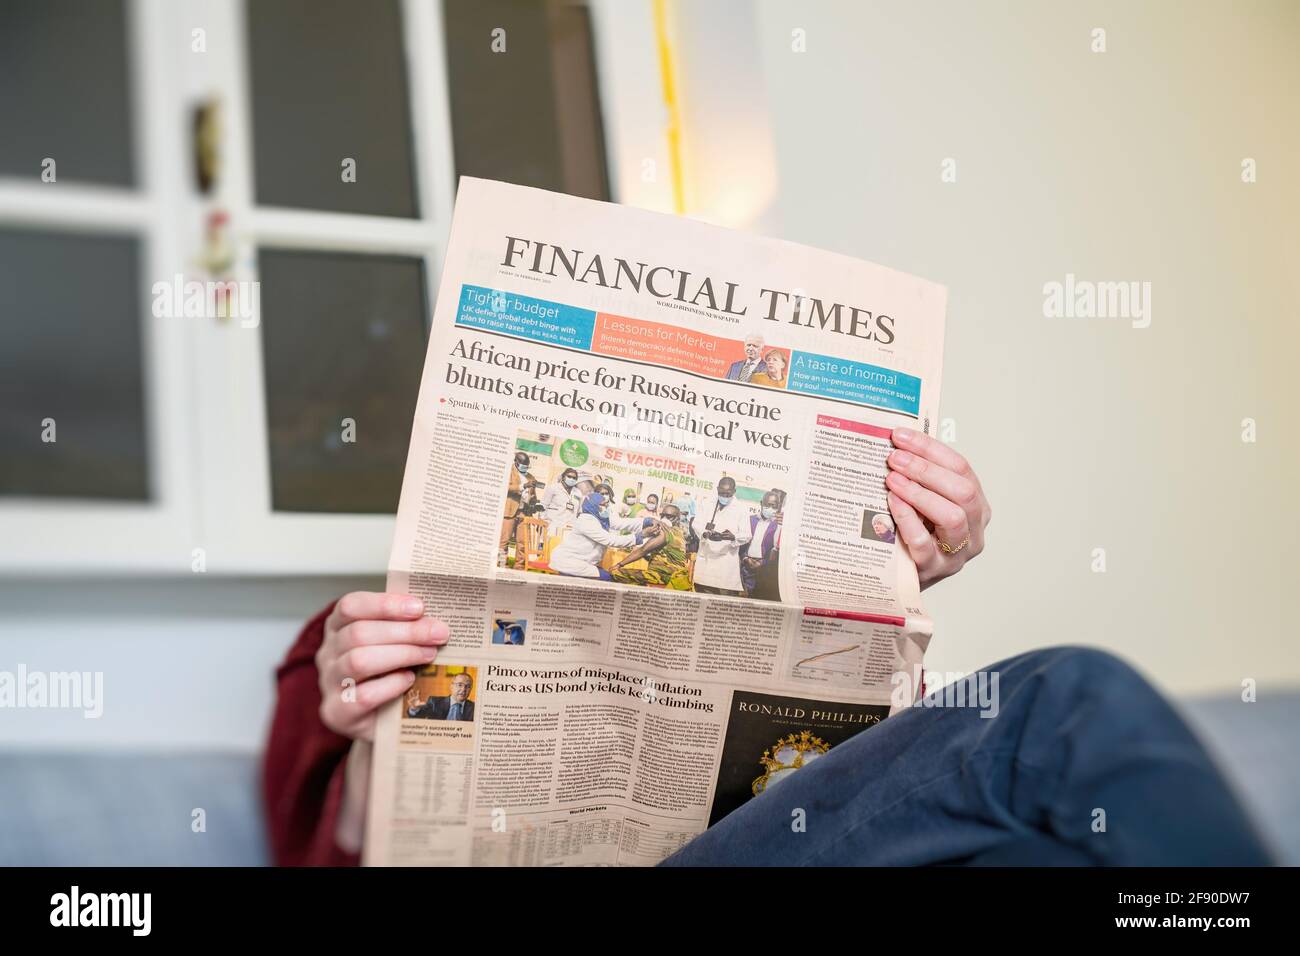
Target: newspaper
{"type": "Point", "coordinates": [645, 490]}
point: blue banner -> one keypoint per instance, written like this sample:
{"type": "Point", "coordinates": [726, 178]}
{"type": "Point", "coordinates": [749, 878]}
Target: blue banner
{"type": "Point", "coordinates": [854, 382]}
{"type": "Point", "coordinates": [524, 317]}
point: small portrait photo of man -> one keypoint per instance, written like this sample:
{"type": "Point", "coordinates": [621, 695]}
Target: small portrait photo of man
{"type": "Point", "coordinates": [442, 693]}
{"type": "Point", "coordinates": [878, 526]}
{"type": "Point", "coordinates": [509, 631]}
{"type": "Point", "coordinates": [745, 369]}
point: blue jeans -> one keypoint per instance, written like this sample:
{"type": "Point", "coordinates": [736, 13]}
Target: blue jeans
{"type": "Point", "coordinates": [1084, 764]}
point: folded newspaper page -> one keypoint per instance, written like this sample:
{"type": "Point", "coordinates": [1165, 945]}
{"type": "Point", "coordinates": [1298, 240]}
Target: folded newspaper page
{"type": "Point", "coordinates": [645, 490]}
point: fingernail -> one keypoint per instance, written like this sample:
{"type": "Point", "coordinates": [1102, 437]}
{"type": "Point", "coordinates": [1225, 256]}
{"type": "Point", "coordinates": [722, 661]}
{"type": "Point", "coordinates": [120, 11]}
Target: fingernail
{"type": "Point", "coordinates": [904, 434]}
{"type": "Point", "coordinates": [894, 478]}
{"type": "Point", "coordinates": [438, 632]}
{"type": "Point", "coordinates": [429, 654]}
{"type": "Point", "coordinates": [901, 458]}
{"type": "Point", "coordinates": [413, 606]}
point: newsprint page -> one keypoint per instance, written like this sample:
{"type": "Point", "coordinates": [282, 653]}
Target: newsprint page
{"type": "Point", "coordinates": [645, 490]}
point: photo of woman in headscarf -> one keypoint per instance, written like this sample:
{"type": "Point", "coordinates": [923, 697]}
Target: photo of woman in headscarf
{"type": "Point", "coordinates": [773, 372]}
{"type": "Point", "coordinates": [583, 548]}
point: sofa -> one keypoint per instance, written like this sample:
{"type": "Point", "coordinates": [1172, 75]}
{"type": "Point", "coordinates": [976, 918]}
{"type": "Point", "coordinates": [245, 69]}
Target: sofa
{"type": "Point", "coordinates": [140, 809]}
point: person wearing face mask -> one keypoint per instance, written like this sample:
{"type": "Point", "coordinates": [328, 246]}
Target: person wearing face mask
{"type": "Point", "coordinates": [628, 508]}
{"type": "Point", "coordinates": [521, 484]}
{"type": "Point", "coordinates": [661, 560]}
{"type": "Point", "coordinates": [760, 558]}
{"type": "Point", "coordinates": [648, 507]}
{"type": "Point", "coordinates": [558, 506]}
{"type": "Point", "coordinates": [583, 548]}
{"type": "Point", "coordinates": [723, 529]}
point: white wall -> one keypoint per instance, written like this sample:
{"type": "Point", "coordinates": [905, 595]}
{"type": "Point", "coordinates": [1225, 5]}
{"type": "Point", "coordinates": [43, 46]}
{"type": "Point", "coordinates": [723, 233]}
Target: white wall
{"type": "Point", "coordinates": [187, 663]}
{"type": "Point", "coordinates": [1123, 165]}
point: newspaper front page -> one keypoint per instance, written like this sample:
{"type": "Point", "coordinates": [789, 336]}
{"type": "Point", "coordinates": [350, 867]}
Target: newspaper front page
{"type": "Point", "coordinates": [645, 490]}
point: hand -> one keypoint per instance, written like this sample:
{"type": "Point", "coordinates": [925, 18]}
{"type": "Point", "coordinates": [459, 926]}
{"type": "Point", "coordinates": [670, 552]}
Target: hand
{"type": "Point", "coordinates": [935, 497]}
{"type": "Point", "coordinates": [413, 699]}
{"type": "Point", "coordinates": [374, 640]}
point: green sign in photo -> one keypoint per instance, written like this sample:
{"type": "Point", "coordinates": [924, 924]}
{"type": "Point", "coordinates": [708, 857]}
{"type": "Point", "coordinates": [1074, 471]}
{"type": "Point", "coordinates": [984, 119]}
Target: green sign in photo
{"type": "Point", "coordinates": [573, 453]}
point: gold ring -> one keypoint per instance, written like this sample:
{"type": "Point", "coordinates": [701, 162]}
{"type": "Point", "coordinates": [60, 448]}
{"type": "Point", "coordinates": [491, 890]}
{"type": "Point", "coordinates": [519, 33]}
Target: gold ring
{"type": "Point", "coordinates": [949, 549]}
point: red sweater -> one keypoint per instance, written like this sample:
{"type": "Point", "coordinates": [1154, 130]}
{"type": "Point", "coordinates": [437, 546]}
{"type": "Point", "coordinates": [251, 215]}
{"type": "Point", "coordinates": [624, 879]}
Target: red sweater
{"type": "Point", "coordinates": [302, 774]}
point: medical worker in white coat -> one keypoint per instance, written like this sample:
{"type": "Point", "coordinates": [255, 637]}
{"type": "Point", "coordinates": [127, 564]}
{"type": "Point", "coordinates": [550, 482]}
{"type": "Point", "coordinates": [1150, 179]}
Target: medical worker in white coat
{"type": "Point", "coordinates": [723, 529]}
{"type": "Point", "coordinates": [559, 506]}
{"type": "Point", "coordinates": [580, 553]}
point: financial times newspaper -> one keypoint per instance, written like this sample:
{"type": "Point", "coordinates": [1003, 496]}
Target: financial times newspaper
{"type": "Point", "coordinates": [645, 490]}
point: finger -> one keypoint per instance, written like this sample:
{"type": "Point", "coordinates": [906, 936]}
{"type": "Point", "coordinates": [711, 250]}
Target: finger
{"type": "Point", "coordinates": [375, 606]}
{"type": "Point", "coordinates": [380, 690]}
{"type": "Point", "coordinates": [917, 537]}
{"type": "Point", "coordinates": [353, 714]}
{"type": "Point", "coordinates": [959, 489]}
{"type": "Point", "coordinates": [366, 633]}
{"type": "Point", "coordinates": [950, 520]}
{"type": "Point", "coordinates": [933, 450]}
{"type": "Point", "coordinates": [365, 728]}
{"type": "Point", "coordinates": [361, 663]}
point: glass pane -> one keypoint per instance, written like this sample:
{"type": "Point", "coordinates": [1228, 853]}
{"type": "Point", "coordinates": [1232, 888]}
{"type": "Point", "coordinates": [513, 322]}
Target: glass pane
{"type": "Point", "coordinates": [342, 338]}
{"type": "Point", "coordinates": [71, 366]}
{"type": "Point", "coordinates": [64, 91]}
{"type": "Point", "coordinates": [530, 115]}
{"type": "Point", "coordinates": [329, 85]}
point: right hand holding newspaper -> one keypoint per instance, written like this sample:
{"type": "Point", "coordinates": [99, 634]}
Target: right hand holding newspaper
{"type": "Point", "coordinates": [645, 490]}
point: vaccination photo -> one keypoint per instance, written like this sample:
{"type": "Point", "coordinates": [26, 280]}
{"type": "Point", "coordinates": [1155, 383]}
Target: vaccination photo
{"type": "Point", "coordinates": [577, 509]}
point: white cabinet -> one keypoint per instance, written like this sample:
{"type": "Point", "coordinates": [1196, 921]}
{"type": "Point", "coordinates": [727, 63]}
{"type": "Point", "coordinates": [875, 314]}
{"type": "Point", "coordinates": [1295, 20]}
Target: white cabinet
{"type": "Point", "coordinates": [245, 461]}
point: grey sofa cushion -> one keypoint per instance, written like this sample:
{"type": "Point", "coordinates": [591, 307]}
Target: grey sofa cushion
{"type": "Point", "coordinates": [106, 809]}
{"type": "Point", "coordinates": [1255, 744]}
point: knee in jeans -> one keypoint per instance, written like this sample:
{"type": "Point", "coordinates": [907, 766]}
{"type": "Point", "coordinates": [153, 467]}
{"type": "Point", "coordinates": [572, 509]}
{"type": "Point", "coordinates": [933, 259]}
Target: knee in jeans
{"type": "Point", "coordinates": [1088, 666]}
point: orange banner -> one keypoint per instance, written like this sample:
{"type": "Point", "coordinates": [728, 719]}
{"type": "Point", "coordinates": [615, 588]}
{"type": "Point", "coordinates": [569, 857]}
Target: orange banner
{"type": "Point", "coordinates": [673, 347]}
